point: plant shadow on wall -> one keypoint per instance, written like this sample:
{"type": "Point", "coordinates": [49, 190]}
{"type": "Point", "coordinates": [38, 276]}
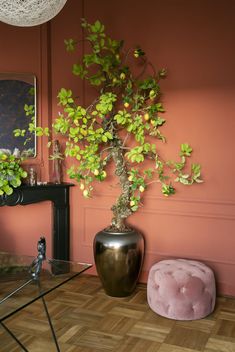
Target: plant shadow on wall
{"type": "Point", "coordinates": [120, 126]}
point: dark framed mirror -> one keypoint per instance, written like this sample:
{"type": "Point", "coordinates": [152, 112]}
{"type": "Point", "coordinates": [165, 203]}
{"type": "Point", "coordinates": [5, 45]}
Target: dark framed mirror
{"type": "Point", "coordinates": [17, 110]}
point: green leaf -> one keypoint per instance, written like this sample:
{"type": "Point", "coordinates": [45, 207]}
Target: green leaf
{"type": "Point", "coordinates": [160, 107]}
{"type": "Point", "coordinates": [167, 190]}
{"type": "Point", "coordinates": [186, 150]}
{"type": "Point", "coordinates": [65, 96]}
{"type": "Point", "coordinates": [134, 208]}
{"type": "Point", "coordinates": [183, 180]}
{"type": "Point", "coordinates": [196, 169]}
{"type": "Point", "coordinates": [78, 70]}
{"type": "Point", "coordinates": [162, 73]}
{"type": "Point", "coordinates": [24, 174]}
{"type": "Point", "coordinates": [197, 180]}
{"type": "Point", "coordinates": [8, 190]}
{"type": "Point", "coordinates": [70, 44]}
{"type": "Point", "coordinates": [149, 173]}
{"type": "Point", "coordinates": [160, 122]}
{"type": "Point", "coordinates": [139, 158]}
{"type": "Point", "coordinates": [96, 27]}
{"type": "Point", "coordinates": [149, 83]}
{"type": "Point", "coordinates": [146, 147]}
{"type": "Point", "coordinates": [109, 135]}
{"type": "Point", "coordinates": [19, 133]}
{"type": "Point", "coordinates": [104, 139]}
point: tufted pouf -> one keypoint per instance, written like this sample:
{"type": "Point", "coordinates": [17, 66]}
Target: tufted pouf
{"type": "Point", "coordinates": [181, 289]}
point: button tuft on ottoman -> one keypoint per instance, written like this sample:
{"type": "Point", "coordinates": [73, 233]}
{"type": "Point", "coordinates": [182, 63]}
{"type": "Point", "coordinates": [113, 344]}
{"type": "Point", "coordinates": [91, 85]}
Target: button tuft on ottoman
{"type": "Point", "coordinates": [181, 289]}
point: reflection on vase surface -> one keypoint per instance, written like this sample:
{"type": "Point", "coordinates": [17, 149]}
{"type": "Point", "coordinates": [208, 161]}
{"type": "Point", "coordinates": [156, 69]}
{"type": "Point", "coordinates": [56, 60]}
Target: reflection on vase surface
{"type": "Point", "coordinates": [118, 259]}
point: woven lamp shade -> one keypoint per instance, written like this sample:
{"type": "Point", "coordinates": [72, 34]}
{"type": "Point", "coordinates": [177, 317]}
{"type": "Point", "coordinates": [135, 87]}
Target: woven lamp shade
{"type": "Point", "coordinates": [27, 13]}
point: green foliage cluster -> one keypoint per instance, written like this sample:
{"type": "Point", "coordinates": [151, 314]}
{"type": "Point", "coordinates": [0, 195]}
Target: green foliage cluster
{"type": "Point", "coordinates": [32, 128]}
{"type": "Point", "coordinates": [122, 124]}
{"type": "Point", "coordinates": [124, 103]}
{"type": "Point", "coordinates": [11, 173]}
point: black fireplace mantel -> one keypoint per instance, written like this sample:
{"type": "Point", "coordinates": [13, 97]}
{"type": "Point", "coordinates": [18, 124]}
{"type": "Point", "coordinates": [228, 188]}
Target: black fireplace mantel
{"type": "Point", "coordinates": [58, 194]}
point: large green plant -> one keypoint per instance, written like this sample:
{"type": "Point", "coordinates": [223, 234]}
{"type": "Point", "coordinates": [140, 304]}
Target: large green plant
{"type": "Point", "coordinates": [121, 125]}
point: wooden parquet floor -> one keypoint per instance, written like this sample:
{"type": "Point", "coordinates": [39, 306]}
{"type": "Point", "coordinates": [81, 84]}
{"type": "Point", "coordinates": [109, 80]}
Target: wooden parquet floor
{"type": "Point", "coordinates": [87, 320]}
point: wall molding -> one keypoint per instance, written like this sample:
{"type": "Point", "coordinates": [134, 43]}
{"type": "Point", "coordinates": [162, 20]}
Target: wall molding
{"type": "Point", "coordinates": [194, 200]}
{"type": "Point", "coordinates": [217, 214]}
{"type": "Point", "coordinates": [176, 199]}
{"type": "Point", "coordinates": [155, 253]}
{"type": "Point", "coordinates": [165, 255]}
{"type": "Point", "coordinates": [214, 216]}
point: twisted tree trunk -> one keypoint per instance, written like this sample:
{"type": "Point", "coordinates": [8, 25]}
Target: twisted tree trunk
{"type": "Point", "coordinates": [121, 209]}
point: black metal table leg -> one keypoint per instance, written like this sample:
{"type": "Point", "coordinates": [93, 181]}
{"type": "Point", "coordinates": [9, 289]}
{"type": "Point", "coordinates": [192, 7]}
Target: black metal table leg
{"type": "Point", "coordinates": [14, 337]}
{"type": "Point", "coordinates": [51, 326]}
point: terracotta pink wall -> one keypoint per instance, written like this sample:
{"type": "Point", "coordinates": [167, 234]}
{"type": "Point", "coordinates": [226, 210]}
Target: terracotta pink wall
{"type": "Point", "coordinates": [25, 50]}
{"type": "Point", "coordinates": [194, 40]}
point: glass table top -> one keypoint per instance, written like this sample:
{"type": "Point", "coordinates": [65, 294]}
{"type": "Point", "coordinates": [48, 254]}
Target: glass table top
{"type": "Point", "coordinates": [17, 286]}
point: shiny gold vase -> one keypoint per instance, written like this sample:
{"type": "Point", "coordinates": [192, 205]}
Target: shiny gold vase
{"type": "Point", "coordinates": [118, 259]}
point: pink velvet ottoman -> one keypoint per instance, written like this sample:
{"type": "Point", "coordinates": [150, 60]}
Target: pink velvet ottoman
{"type": "Point", "coordinates": [181, 289]}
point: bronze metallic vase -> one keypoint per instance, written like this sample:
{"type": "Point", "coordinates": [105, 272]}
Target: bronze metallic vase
{"type": "Point", "coordinates": [118, 259]}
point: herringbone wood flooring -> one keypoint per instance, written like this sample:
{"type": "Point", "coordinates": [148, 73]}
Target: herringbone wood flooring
{"type": "Point", "coordinates": [87, 320]}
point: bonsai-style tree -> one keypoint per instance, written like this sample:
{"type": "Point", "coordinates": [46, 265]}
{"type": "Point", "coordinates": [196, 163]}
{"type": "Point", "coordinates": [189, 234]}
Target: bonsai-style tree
{"type": "Point", "coordinates": [121, 125]}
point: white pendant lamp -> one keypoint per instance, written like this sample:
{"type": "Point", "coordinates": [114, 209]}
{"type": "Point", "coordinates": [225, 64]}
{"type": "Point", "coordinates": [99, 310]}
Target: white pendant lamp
{"type": "Point", "coordinates": [27, 13]}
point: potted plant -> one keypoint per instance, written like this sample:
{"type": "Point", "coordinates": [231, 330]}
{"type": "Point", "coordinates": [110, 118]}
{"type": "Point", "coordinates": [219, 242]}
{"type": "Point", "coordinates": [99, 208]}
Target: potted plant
{"type": "Point", "coordinates": [120, 126]}
{"type": "Point", "coordinates": [11, 172]}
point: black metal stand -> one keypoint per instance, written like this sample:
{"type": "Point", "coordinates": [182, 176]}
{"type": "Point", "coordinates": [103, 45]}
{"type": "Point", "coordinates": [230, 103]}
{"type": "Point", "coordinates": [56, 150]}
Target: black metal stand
{"type": "Point", "coordinates": [34, 270]}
